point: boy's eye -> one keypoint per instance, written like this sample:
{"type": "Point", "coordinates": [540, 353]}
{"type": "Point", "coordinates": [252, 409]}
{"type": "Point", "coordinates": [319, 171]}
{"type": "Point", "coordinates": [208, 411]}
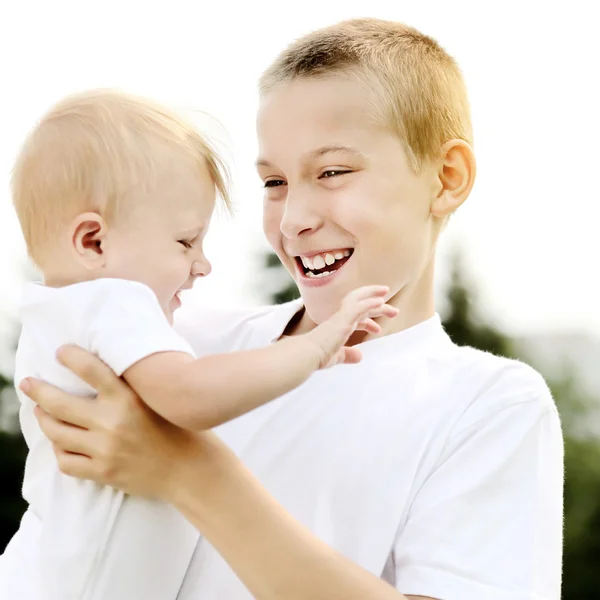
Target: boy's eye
{"type": "Point", "coordinates": [333, 173]}
{"type": "Point", "coordinates": [274, 183]}
{"type": "Point", "coordinates": [187, 245]}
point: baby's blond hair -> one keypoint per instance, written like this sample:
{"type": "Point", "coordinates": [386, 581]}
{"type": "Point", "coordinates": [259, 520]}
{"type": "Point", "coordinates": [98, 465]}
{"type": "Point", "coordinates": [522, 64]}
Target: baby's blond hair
{"type": "Point", "coordinates": [94, 149]}
{"type": "Point", "coordinates": [418, 89]}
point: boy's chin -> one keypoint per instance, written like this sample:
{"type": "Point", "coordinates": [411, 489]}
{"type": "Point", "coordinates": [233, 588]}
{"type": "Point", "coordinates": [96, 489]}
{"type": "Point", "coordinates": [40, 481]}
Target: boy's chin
{"type": "Point", "coordinates": [318, 311]}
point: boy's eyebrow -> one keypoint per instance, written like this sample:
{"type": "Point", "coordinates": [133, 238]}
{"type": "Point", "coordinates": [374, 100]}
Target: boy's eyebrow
{"type": "Point", "coordinates": [335, 148]}
{"type": "Point", "coordinates": [261, 162]}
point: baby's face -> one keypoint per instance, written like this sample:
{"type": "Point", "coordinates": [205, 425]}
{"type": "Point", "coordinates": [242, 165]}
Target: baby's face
{"type": "Point", "coordinates": [161, 244]}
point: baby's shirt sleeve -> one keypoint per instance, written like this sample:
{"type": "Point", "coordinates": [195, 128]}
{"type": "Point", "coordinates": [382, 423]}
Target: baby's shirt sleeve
{"type": "Point", "coordinates": [126, 324]}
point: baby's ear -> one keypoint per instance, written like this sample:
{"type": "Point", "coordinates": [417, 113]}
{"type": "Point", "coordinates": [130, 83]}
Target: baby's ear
{"type": "Point", "coordinates": [88, 239]}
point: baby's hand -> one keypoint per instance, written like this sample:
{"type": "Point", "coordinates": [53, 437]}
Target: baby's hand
{"type": "Point", "coordinates": [357, 312]}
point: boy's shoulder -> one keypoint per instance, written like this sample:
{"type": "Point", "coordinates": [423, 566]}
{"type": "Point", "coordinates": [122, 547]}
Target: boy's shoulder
{"type": "Point", "coordinates": [481, 384]}
{"type": "Point", "coordinates": [460, 384]}
{"type": "Point", "coordinates": [494, 369]}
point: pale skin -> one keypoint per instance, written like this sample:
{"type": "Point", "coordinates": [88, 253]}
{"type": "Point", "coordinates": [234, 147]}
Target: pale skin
{"type": "Point", "coordinates": [205, 392]}
{"type": "Point", "coordinates": [161, 246]}
{"type": "Point", "coordinates": [274, 555]}
{"type": "Point", "coordinates": [115, 440]}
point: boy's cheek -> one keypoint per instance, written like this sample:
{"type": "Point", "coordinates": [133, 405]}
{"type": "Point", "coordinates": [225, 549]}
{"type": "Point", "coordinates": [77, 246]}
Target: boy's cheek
{"type": "Point", "coordinates": [272, 225]}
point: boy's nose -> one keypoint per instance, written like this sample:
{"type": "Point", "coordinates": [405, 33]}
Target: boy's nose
{"type": "Point", "coordinates": [299, 217]}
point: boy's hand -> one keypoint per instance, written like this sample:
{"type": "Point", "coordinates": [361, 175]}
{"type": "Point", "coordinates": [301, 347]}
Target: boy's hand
{"type": "Point", "coordinates": [357, 312]}
{"type": "Point", "coordinates": [113, 439]}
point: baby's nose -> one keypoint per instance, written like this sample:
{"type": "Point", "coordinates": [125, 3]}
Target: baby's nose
{"type": "Point", "coordinates": [201, 268]}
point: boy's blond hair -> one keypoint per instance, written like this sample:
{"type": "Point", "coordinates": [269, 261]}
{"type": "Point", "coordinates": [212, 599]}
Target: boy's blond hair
{"type": "Point", "coordinates": [418, 89]}
{"type": "Point", "coordinates": [91, 151]}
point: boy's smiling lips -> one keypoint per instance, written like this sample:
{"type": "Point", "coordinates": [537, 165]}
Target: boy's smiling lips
{"type": "Point", "coordinates": [318, 268]}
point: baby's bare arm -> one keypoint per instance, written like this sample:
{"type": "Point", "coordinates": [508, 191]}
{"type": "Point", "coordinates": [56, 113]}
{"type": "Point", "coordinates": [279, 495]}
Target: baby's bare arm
{"type": "Point", "coordinates": [202, 393]}
{"type": "Point", "coordinates": [205, 392]}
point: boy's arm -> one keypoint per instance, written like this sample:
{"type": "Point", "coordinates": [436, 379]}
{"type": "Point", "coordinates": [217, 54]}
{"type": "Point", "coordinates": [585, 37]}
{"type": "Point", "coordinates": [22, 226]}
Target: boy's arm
{"type": "Point", "coordinates": [275, 556]}
{"type": "Point", "coordinates": [486, 524]}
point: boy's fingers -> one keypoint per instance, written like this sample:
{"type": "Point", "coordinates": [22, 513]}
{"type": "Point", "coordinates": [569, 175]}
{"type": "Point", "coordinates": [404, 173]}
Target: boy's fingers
{"type": "Point", "coordinates": [75, 465]}
{"type": "Point", "coordinates": [62, 435]}
{"type": "Point", "coordinates": [89, 368]}
{"type": "Point", "coordinates": [58, 404]}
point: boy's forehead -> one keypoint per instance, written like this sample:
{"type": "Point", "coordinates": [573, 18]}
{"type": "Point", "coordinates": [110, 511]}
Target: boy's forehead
{"type": "Point", "coordinates": [326, 103]}
{"type": "Point", "coordinates": [311, 118]}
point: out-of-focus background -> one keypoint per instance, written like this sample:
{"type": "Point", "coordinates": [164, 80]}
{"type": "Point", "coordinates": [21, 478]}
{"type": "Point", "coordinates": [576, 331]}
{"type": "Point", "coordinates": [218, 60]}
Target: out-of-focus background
{"type": "Point", "coordinates": [518, 272]}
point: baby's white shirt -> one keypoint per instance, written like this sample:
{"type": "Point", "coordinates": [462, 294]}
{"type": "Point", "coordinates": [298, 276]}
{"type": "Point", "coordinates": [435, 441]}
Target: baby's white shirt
{"type": "Point", "coordinates": [79, 540]}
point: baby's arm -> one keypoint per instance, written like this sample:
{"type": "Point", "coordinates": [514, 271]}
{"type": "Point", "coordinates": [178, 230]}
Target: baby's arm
{"type": "Point", "coordinates": [205, 392]}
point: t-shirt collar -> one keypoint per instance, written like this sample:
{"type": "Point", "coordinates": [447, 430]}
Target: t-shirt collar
{"type": "Point", "coordinates": [427, 333]}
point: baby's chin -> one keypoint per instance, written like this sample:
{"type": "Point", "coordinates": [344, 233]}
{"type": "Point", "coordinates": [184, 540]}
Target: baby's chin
{"type": "Point", "coordinates": [170, 314]}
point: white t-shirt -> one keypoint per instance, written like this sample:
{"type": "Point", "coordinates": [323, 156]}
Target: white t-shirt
{"type": "Point", "coordinates": [436, 467]}
{"type": "Point", "coordinates": [79, 540]}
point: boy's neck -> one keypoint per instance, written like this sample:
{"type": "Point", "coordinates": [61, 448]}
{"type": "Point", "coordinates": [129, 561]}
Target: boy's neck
{"type": "Point", "coordinates": [415, 303]}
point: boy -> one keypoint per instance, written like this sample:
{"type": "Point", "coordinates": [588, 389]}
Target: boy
{"type": "Point", "coordinates": [428, 470]}
{"type": "Point", "coordinates": [115, 195]}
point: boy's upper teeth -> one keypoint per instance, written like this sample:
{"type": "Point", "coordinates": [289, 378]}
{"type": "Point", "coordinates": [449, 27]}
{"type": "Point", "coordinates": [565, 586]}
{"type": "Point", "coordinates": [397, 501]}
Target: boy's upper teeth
{"type": "Point", "coordinates": [318, 261]}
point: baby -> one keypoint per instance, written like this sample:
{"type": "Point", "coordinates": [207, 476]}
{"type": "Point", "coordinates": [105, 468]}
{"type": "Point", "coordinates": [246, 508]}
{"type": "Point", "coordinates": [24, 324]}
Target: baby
{"type": "Point", "coordinates": [115, 195]}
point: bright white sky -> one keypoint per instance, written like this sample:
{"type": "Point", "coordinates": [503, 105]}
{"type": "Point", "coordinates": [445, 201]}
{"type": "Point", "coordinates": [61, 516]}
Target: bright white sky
{"type": "Point", "coordinates": [530, 227]}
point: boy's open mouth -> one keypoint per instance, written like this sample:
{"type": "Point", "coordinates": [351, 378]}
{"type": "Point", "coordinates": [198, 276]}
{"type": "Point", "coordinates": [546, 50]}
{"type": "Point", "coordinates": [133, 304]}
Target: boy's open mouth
{"type": "Point", "coordinates": [324, 263]}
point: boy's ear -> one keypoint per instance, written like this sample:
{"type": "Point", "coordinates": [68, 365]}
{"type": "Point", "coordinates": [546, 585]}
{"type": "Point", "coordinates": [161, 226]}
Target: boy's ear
{"type": "Point", "coordinates": [456, 176]}
{"type": "Point", "coordinates": [88, 239]}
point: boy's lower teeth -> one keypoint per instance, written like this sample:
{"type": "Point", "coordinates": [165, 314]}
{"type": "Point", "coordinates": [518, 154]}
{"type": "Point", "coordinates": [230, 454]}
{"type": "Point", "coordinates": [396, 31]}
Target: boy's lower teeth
{"type": "Point", "coordinates": [316, 275]}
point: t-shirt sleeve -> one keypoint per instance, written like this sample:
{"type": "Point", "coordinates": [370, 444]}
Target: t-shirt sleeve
{"type": "Point", "coordinates": [127, 324]}
{"type": "Point", "coordinates": [487, 522]}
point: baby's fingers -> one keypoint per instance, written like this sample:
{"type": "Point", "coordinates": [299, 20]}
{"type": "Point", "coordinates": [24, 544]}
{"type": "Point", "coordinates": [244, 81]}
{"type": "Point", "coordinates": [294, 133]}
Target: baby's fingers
{"type": "Point", "coordinates": [365, 308]}
{"type": "Point", "coordinates": [345, 356]}
{"type": "Point", "coordinates": [366, 322]}
{"type": "Point", "coordinates": [369, 326]}
{"type": "Point", "coordinates": [366, 292]}
{"type": "Point", "coordinates": [373, 308]}
{"type": "Point", "coordinates": [388, 311]}
{"type": "Point", "coordinates": [351, 355]}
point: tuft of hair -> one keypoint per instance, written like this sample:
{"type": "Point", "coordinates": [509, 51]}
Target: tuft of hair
{"type": "Point", "coordinates": [91, 151]}
{"type": "Point", "coordinates": [417, 89]}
